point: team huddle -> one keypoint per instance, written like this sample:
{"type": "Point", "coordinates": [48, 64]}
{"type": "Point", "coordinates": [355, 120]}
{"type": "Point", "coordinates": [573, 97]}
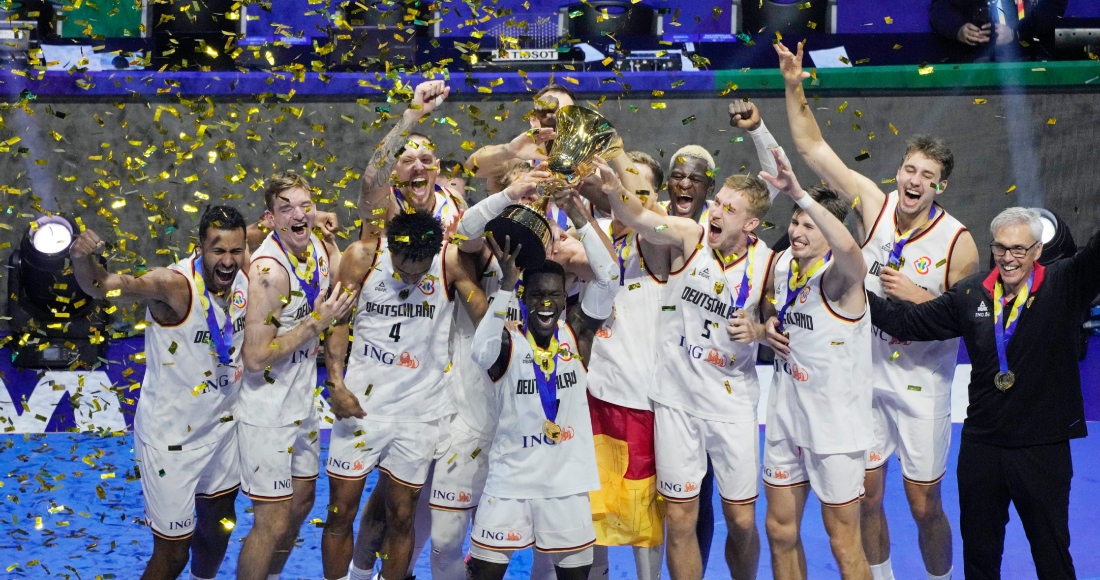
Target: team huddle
{"type": "Point", "coordinates": [584, 403]}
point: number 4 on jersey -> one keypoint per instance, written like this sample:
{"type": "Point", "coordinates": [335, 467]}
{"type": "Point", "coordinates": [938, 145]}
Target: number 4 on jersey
{"type": "Point", "coordinates": [395, 332]}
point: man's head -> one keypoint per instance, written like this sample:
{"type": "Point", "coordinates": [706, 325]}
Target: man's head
{"type": "Point", "coordinates": [223, 246]}
{"type": "Point", "coordinates": [923, 174]}
{"type": "Point", "coordinates": [548, 101]}
{"type": "Point", "coordinates": [649, 169]}
{"type": "Point", "coordinates": [414, 240]}
{"type": "Point", "coordinates": [1017, 244]}
{"type": "Point", "coordinates": [544, 296]}
{"type": "Point", "coordinates": [417, 170]}
{"type": "Point", "coordinates": [807, 240]}
{"type": "Point", "coordinates": [290, 209]}
{"type": "Point", "coordinates": [738, 208]}
{"type": "Point", "coordinates": [690, 181]}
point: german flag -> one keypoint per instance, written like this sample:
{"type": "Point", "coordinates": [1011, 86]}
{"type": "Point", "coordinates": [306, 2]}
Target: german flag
{"type": "Point", "coordinates": [626, 510]}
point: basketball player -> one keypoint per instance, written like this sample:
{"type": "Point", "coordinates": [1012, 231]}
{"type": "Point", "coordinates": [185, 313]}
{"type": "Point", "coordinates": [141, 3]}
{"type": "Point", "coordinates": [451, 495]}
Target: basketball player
{"type": "Point", "coordinates": [327, 226]}
{"type": "Point", "coordinates": [706, 390]}
{"type": "Point", "coordinates": [280, 448]}
{"type": "Point", "coordinates": [410, 182]}
{"type": "Point", "coordinates": [542, 463]}
{"type": "Point", "coordinates": [185, 435]}
{"type": "Point", "coordinates": [624, 362]}
{"type": "Point", "coordinates": [819, 408]}
{"type": "Point", "coordinates": [391, 404]}
{"type": "Point", "coordinates": [914, 251]}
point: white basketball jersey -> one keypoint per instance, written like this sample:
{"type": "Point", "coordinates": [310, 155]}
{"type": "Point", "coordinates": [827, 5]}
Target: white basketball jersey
{"type": "Point", "coordinates": [473, 395]}
{"type": "Point", "coordinates": [703, 372]}
{"type": "Point", "coordinates": [919, 378]}
{"type": "Point", "coordinates": [400, 347]}
{"type": "Point", "coordinates": [821, 396]}
{"type": "Point", "coordinates": [624, 352]}
{"type": "Point", "coordinates": [523, 462]}
{"type": "Point", "coordinates": [188, 397]}
{"type": "Point", "coordinates": [284, 394]}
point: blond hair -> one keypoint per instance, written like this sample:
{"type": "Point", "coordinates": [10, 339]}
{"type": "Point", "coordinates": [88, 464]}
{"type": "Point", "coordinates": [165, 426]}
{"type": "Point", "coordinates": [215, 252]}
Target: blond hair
{"type": "Point", "coordinates": [755, 191]}
{"type": "Point", "coordinates": [692, 152]}
{"type": "Point", "coordinates": [280, 182]}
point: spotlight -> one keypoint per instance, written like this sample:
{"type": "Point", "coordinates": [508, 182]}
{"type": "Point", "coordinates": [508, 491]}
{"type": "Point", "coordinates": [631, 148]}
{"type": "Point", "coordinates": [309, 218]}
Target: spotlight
{"type": "Point", "coordinates": [54, 323]}
{"type": "Point", "coordinates": [1057, 239]}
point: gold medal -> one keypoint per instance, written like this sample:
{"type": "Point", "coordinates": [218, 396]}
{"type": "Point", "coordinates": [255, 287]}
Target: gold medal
{"type": "Point", "coordinates": [552, 430]}
{"type": "Point", "coordinates": [1005, 380]}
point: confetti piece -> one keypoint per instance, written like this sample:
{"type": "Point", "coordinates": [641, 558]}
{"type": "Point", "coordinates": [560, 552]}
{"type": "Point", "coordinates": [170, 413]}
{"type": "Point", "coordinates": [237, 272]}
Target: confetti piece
{"type": "Point", "coordinates": [1011, 189]}
{"type": "Point", "coordinates": [1051, 121]}
{"type": "Point", "coordinates": [688, 120]}
{"type": "Point", "coordinates": [980, 101]}
{"type": "Point", "coordinates": [914, 388]}
{"type": "Point", "coordinates": [941, 263]}
{"type": "Point", "coordinates": [893, 128]}
{"type": "Point", "coordinates": [897, 47]}
{"type": "Point", "coordinates": [894, 356]}
{"type": "Point", "coordinates": [863, 154]}
{"type": "Point", "coordinates": [926, 70]}
{"type": "Point", "coordinates": [660, 228]}
{"type": "Point", "coordinates": [842, 106]}
{"type": "Point", "coordinates": [657, 105]}
{"type": "Point", "coordinates": [227, 523]}
{"type": "Point", "coordinates": [889, 20]}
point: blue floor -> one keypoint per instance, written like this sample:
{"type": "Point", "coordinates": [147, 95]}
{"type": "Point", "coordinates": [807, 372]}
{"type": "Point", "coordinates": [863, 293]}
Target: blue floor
{"type": "Point", "coordinates": [70, 508]}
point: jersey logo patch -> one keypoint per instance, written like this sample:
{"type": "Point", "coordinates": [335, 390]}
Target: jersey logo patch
{"type": "Point", "coordinates": [604, 332]}
{"type": "Point", "coordinates": [982, 312]}
{"type": "Point", "coordinates": [715, 358]}
{"type": "Point", "coordinates": [705, 273]}
{"type": "Point", "coordinates": [381, 287]}
{"type": "Point", "coordinates": [719, 287]}
{"type": "Point", "coordinates": [922, 265]}
{"type": "Point", "coordinates": [239, 301]}
{"type": "Point", "coordinates": [427, 286]}
{"type": "Point", "coordinates": [565, 352]}
{"type": "Point", "coordinates": [323, 266]}
{"type": "Point", "coordinates": [407, 360]}
{"type": "Point", "coordinates": [804, 295]}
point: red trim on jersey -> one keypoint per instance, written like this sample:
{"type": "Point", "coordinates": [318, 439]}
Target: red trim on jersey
{"type": "Point", "coordinates": [190, 301]}
{"type": "Point", "coordinates": [874, 227]}
{"type": "Point", "coordinates": [843, 318]}
{"type": "Point", "coordinates": [935, 222]}
{"type": "Point", "coordinates": [678, 499]}
{"type": "Point", "coordinates": [645, 268]}
{"type": "Point", "coordinates": [499, 548]}
{"type": "Point", "coordinates": [443, 273]}
{"type": "Point", "coordinates": [786, 485]}
{"type": "Point", "coordinates": [401, 481]}
{"type": "Point", "coordinates": [702, 234]}
{"type": "Point", "coordinates": [170, 538]}
{"type": "Point", "coordinates": [560, 550]}
{"type": "Point", "coordinates": [768, 273]}
{"type": "Point", "coordinates": [950, 251]}
{"type": "Point", "coordinates": [933, 482]}
{"type": "Point", "coordinates": [842, 504]}
{"type": "Point", "coordinates": [444, 508]}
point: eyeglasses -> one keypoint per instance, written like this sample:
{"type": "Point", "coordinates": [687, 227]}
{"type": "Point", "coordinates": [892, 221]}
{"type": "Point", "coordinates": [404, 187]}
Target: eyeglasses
{"type": "Point", "coordinates": [1016, 251]}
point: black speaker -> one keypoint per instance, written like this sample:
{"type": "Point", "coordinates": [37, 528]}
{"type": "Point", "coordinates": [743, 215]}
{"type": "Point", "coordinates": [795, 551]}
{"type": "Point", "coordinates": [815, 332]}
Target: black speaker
{"type": "Point", "coordinates": [198, 35]}
{"type": "Point", "coordinates": [368, 36]}
{"type": "Point", "coordinates": [792, 18]}
{"type": "Point", "coordinates": [623, 20]}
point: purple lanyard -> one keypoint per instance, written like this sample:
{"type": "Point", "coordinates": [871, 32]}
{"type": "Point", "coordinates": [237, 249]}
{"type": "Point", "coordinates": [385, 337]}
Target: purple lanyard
{"type": "Point", "coordinates": [219, 339]}
{"type": "Point", "coordinates": [894, 261]}
{"type": "Point", "coordinates": [311, 288]}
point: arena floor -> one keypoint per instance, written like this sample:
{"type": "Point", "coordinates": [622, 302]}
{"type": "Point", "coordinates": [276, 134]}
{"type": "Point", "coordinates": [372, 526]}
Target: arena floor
{"type": "Point", "coordinates": [72, 509]}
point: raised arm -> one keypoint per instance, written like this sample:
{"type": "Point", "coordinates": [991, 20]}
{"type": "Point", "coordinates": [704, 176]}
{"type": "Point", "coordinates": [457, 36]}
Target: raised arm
{"type": "Point", "coordinates": [490, 159]}
{"type": "Point", "coordinates": [849, 184]}
{"type": "Point", "coordinates": [268, 288]}
{"type": "Point", "coordinates": [358, 261]}
{"type": "Point", "coordinates": [159, 285]}
{"type": "Point", "coordinates": [661, 229]}
{"type": "Point", "coordinates": [472, 225]}
{"type": "Point", "coordinates": [376, 203]}
{"type": "Point", "coordinates": [744, 114]}
{"type": "Point", "coordinates": [492, 345]}
{"type": "Point", "coordinates": [843, 281]}
{"type": "Point", "coordinates": [461, 270]}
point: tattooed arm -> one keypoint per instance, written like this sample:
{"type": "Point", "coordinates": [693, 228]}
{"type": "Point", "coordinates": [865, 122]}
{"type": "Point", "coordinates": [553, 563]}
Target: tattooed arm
{"type": "Point", "coordinates": [376, 202]}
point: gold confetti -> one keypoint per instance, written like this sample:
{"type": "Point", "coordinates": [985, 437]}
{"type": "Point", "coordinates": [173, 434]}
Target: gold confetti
{"type": "Point", "coordinates": [889, 20]}
{"type": "Point", "coordinates": [657, 105]}
{"type": "Point", "coordinates": [1051, 121]}
{"type": "Point", "coordinates": [894, 356]}
{"type": "Point", "coordinates": [1011, 189]}
{"type": "Point", "coordinates": [926, 70]}
{"type": "Point", "coordinates": [980, 101]}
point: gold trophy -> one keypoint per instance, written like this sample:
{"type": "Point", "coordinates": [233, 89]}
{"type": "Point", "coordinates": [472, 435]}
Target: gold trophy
{"type": "Point", "coordinates": [582, 135]}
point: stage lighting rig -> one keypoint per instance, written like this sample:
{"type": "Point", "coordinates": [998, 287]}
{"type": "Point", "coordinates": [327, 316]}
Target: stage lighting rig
{"type": "Point", "coordinates": [54, 323]}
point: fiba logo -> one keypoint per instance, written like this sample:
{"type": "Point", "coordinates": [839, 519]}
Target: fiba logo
{"type": "Point", "coordinates": [323, 266]}
{"type": "Point", "coordinates": [922, 265]}
{"type": "Point", "coordinates": [427, 286]}
{"type": "Point", "coordinates": [804, 295]}
{"type": "Point", "coordinates": [239, 300]}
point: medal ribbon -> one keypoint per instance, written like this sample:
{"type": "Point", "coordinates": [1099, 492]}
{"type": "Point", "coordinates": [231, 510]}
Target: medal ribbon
{"type": "Point", "coordinates": [220, 339]}
{"type": "Point", "coordinates": [408, 208]}
{"type": "Point", "coordinates": [743, 292]}
{"type": "Point", "coordinates": [546, 374]}
{"type": "Point", "coordinates": [894, 261]}
{"type": "Point", "coordinates": [311, 286]}
{"type": "Point", "coordinates": [796, 282]}
{"type": "Point", "coordinates": [622, 250]}
{"type": "Point", "coordinates": [1004, 330]}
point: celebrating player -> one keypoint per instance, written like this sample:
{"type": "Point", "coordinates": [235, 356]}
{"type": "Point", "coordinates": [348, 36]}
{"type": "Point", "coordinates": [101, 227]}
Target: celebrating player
{"type": "Point", "coordinates": [185, 435]}
{"type": "Point", "coordinates": [279, 431]}
{"type": "Point", "coordinates": [914, 251]}
{"type": "Point", "coordinates": [542, 463]}
{"type": "Point", "coordinates": [819, 407]}
{"type": "Point", "coordinates": [706, 390]}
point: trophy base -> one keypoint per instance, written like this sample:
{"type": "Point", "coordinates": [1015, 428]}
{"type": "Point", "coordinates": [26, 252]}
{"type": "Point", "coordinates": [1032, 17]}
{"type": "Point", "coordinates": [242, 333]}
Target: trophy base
{"type": "Point", "coordinates": [520, 233]}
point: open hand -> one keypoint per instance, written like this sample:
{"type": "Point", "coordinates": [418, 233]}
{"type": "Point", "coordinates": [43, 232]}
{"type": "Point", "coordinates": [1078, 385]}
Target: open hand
{"type": "Point", "coordinates": [785, 181]}
{"type": "Point", "coordinates": [790, 64]}
{"type": "Point", "coordinates": [509, 272]}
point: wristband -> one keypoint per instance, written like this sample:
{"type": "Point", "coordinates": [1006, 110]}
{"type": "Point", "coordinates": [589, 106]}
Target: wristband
{"type": "Point", "coordinates": [501, 298]}
{"type": "Point", "coordinates": [805, 201]}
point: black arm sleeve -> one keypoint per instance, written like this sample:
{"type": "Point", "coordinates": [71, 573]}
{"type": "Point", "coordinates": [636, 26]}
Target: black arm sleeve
{"type": "Point", "coordinates": [932, 320]}
{"type": "Point", "coordinates": [946, 17]}
{"type": "Point", "coordinates": [1084, 272]}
